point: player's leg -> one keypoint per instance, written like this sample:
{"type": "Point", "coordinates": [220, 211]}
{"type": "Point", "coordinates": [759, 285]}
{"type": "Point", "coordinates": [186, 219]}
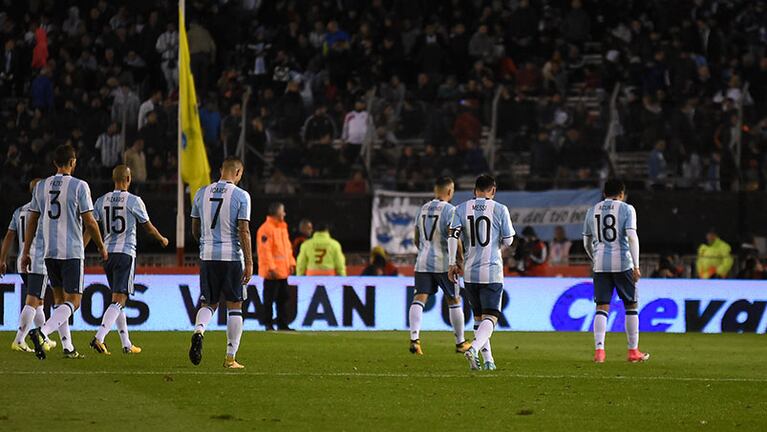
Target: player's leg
{"type": "Point", "coordinates": [455, 311]}
{"type": "Point", "coordinates": [603, 291]}
{"type": "Point", "coordinates": [26, 320]}
{"type": "Point", "coordinates": [490, 297]}
{"type": "Point", "coordinates": [627, 291]}
{"type": "Point", "coordinates": [209, 297]}
{"type": "Point", "coordinates": [112, 271]}
{"type": "Point", "coordinates": [67, 274]}
{"type": "Point", "coordinates": [42, 283]}
{"type": "Point", "coordinates": [235, 294]}
{"type": "Point", "coordinates": [425, 286]}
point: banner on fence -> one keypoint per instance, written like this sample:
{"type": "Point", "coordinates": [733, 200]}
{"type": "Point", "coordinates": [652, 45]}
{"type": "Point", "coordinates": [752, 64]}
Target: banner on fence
{"type": "Point", "coordinates": [394, 214]}
{"type": "Point", "coordinates": [170, 302]}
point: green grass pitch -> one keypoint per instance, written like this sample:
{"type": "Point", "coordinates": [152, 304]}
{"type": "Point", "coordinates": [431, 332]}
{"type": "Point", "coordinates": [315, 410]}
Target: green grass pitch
{"type": "Point", "coordinates": [369, 381]}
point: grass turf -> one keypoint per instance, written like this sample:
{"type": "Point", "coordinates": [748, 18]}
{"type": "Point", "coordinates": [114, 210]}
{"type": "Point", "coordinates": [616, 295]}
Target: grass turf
{"type": "Point", "coordinates": [353, 381]}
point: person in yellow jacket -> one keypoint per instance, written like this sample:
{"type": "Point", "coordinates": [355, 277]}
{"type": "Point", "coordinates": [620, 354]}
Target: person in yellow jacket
{"type": "Point", "coordinates": [714, 257]}
{"type": "Point", "coordinates": [321, 255]}
{"type": "Point", "coordinates": [275, 264]}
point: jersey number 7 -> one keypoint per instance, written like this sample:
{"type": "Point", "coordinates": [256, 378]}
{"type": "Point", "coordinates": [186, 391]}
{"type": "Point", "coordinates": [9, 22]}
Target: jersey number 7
{"type": "Point", "coordinates": [217, 212]}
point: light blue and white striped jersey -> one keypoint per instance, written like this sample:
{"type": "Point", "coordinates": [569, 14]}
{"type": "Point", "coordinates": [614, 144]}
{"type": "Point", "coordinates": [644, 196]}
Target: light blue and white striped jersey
{"type": "Point", "coordinates": [219, 206]}
{"type": "Point", "coordinates": [61, 200]}
{"type": "Point", "coordinates": [37, 252]}
{"type": "Point", "coordinates": [119, 212]}
{"type": "Point", "coordinates": [484, 224]}
{"type": "Point", "coordinates": [607, 224]}
{"type": "Point", "coordinates": [433, 220]}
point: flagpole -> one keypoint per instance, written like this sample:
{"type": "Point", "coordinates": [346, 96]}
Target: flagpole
{"type": "Point", "coordinates": [179, 183]}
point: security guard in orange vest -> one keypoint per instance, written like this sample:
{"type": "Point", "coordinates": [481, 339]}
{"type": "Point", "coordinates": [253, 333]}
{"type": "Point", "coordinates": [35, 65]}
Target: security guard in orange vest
{"type": "Point", "coordinates": [275, 264]}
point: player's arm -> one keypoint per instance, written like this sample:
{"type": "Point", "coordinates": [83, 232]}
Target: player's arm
{"type": "Point", "coordinates": [92, 228]}
{"type": "Point", "coordinates": [416, 236]}
{"type": "Point", "coordinates": [339, 260]}
{"type": "Point", "coordinates": [154, 233]}
{"type": "Point", "coordinates": [29, 236]}
{"type": "Point", "coordinates": [8, 240]}
{"type": "Point", "coordinates": [243, 227]}
{"type": "Point", "coordinates": [588, 246]}
{"type": "Point", "coordinates": [633, 238]}
{"type": "Point", "coordinates": [196, 231]}
{"type": "Point", "coordinates": [507, 229]}
{"type": "Point", "coordinates": [302, 260]}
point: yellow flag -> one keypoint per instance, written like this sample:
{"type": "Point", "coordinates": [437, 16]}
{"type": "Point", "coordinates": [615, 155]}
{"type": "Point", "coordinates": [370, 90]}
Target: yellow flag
{"type": "Point", "coordinates": [195, 169]}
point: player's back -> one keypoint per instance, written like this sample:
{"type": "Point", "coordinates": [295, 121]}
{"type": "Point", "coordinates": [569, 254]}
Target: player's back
{"type": "Point", "coordinates": [607, 223]}
{"type": "Point", "coordinates": [433, 221]}
{"type": "Point", "coordinates": [484, 223]}
{"type": "Point", "coordinates": [119, 213]}
{"type": "Point", "coordinates": [37, 251]}
{"type": "Point", "coordinates": [61, 200]}
{"type": "Point", "coordinates": [220, 206]}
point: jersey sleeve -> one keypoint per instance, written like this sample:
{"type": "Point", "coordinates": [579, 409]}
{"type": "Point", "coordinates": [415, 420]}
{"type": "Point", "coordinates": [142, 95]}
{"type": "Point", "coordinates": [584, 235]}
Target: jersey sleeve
{"type": "Point", "coordinates": [13, 226]}
{"type": "Point", "coordinates": [138, 209]}
{"type": "Point", "coordinates": [587, 223]}
{"type": "Point", "coordinates": [457, 219]}
{"type": "Point", "coordinates": [196, 203]}
{"type": "Point", "coordinates": [37, 199]}
{"type": "Point", "coordinates": [630, 222]}
{"type": "Point", "coordinates": [97, 208]}
{"type": "Point", "coordinates": [447, 217]}
{"type": "Point", "coordinates": [507, 229]}
{"type": "Point", "coordinates": [84, 202]}
{"type": "Point", "coordinates": [243, 211]}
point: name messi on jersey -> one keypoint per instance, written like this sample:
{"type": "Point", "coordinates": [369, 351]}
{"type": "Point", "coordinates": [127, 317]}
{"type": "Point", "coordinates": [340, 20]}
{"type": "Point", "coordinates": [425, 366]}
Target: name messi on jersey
{"type": "Point", "coordinates": [478, 207]}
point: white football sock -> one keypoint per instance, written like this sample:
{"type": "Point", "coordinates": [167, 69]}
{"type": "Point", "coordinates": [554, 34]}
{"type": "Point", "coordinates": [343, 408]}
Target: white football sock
{"type": "Point", "coordinates": [487, 353]}
{"type": "Point", "coordinates": [456, 319]}
{"type": "Point", "coordinates": [483, 334]}
{"type": "Point", "coordinates": [632, 328]}
{"type": "Point", "coordinates": [39, 316]}
{"type": "Point", "coordinates": [26, 319]}
{"type": "Point", "coordinates": [58, 318]}
{"type": "Point", "coordinates": [233, 331]}
{"type": "Point", "coordinates": [122, 329]}
{"type": "Point", "coordinates": [110, 316]}
{"type": "Point", "coordinates": [203, 317]}
{"type": "Point", "coordinates": [600, 327]}
{"type": "Point", "coordinates": [416, 313]}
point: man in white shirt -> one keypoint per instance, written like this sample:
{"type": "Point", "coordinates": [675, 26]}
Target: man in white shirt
{"type": "Point", "coordinates": [148, 106]}
{"type": "Point", "coordinates": [357, 125]}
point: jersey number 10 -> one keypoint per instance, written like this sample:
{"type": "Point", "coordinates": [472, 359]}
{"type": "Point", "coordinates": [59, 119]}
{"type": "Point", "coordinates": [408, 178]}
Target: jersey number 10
{"type": "Point", "coordinates": [475, 230]}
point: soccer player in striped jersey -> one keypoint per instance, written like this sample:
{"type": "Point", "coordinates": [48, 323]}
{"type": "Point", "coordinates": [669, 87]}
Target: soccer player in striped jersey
{"type": "Point", "coordinates": [62, 204]}
{"type": "Point", "coordinates": [432, 224]}
{"type": "Point", "coordinates": [485, 228]}
{"type": "Point", "coordinates": [35, 282]}
{"type": "Point", "coordinates": [611, 241]}
{"type": "Point", "coordinates": [120, 212]}
{"type": "Point", "coordinates": [221, 223]}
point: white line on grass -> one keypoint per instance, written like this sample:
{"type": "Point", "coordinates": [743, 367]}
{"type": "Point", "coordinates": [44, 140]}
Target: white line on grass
{"type": "Point", "coordinates": [393, 375]}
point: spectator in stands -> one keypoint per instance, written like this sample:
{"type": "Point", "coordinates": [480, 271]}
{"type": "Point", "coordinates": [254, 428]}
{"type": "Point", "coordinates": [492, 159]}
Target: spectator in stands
{"type": "Point", "coordinates": [125, 106]}
{"type": "Point", "coordinates": [752, 269]}
{"type": "Point", "coordinates": [9, 70]}
{"type": "Point", "coordinates": [532, 254]}
{"type": "Point", "coordinates": [656, 166]}
{"type": "Point", "coordinates": [576, 26]}
{"type": "Point", "coordinates": [148, 106]}
{"type": "Point", "coordinates": [202, 54]}
{"type": "Point", "coordinates": [380, 264]}
{"type": "Point", "coordinates": [714, 257]}
{"type": "Point", "coordinates": [305, 230]}
{"type": "Point", "coordinates": [275, 264]}
{"type": "Point", "coordinates": [357, 185]}
{"type": "Point", "coordinates": [135, 159]}
{"type": "Point", "coordinates": [377, 267]}
{"type": "Point", "coordinates": [321, 255]}
{"type": "Point", "coordinates": [559, 247]}
{"type": "Point", "coordinates": [319, 128]}
{"type": "Point", "coordinates": [41, 91]}
{"type": "Point", "coordinates": [279, 184]}
{"type": "Point", "coordinates": [358, 125]}
{"type": "Point", "coordinates": [668, 268]}
{"type": "Point", "coordinates": [167, 46]}
{"type": "Point", "coordinates": [110, 146]}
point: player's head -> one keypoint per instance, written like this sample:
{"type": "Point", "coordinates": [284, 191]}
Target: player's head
{"type": "Point", "coordinates": [444, 188]}
{"type": "Point", "coordinates": [711, 235]}
{"type": "Point", "coordinates": [232, 169]}
{"type": "Point", "coordinates": [277, 211]}
{"type": "Point", "coordinates": [65, 157]}
{"type": "Point", "coordinates": [529, 233]}
{"type": "Point", "coordinates": [305, 227]}
{"type": "Point", "coordinates": [121, 176]}
{"type": "Point", "coordinates": [33, 183]}
{"type": "Point", "coordinates": [323, 227]}
{"type": "Point", "coordinates": [615, 189]}
{"type": "Point", "coordinates": [484, 187]}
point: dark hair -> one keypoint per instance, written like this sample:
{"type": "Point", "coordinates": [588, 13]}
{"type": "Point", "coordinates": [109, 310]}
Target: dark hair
{"type": "Point", "coordinates": [273, 207]}
{"type": "Point", "coordinates": [63, 154]}
{"type": "Point", "coordinates": [614, 187]}
{"type": "Point", "coordinates": [322, 226]}
{"type": "Point", "coordinates": [485, 182]}
{"type": "Point", "coordinates": [528, 231]}
{"type": "Point", "coordinates": [443, 182]}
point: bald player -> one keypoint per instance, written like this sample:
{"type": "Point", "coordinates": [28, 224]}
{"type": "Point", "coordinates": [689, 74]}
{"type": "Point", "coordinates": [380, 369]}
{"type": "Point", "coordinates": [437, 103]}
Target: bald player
{"type": "Point", "coordinates": [119, 212]}
{"type": "Point", "coordinates": [221, 224]}
{"type": "Point", "coordinates": [36, 281]}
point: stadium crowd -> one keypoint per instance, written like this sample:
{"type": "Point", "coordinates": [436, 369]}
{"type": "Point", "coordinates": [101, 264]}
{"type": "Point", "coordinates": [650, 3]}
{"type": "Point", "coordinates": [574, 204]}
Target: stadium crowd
{"type": "Point", "coordinates": [416, 77]}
